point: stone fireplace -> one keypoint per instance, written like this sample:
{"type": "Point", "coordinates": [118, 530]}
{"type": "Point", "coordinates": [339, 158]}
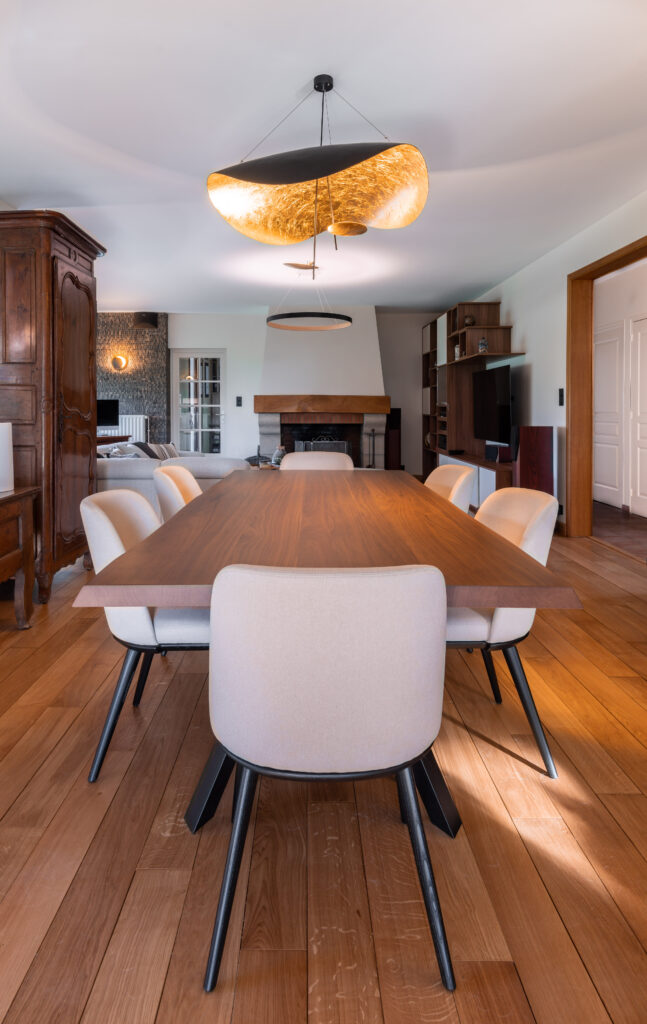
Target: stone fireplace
{"type": "Point", "coordinates": [358, 419]}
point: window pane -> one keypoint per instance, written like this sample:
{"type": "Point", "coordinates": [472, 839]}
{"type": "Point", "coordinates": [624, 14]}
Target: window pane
{"type": "Point", "coordinates": [210, 441]}
{"type": "Point", "coordinates": [189, 392]}
{"type": "Point", "coordinates": [209, 369]}
{"type": "Point", "coordinates": [210, 417]}
{"type": "Point", "coordinates": [189, 441]}
{"type": "Point", "coordinates": [210, 392]}
{"type": "Point", "coordinates": [189, 368]}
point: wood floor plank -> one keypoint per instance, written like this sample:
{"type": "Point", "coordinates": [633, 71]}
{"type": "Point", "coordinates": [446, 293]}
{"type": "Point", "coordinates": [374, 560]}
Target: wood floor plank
{"type": "Point", "coordinates": [516, 780]}
{"type": "Point", "coordinates": [24, 759]}
{"type": "Point", "coordinates": [82, 927]}
{"type": "Point", "coordinates": [342, 973]}
{"type": "Point", "coordinates": [130, 980]}
{"type": "Point", "coordinates": [272, 985]}
{"type": "Point", "coordinates": [614, 857]}
{"type": "Point", "coordinates": [34, 898]}
{"type": "Point", "coordinates": [491, 993]}
{"type": "Point", "coordinates": [183, 997]}
{"type": "Point", "coordinates": [275, 916]}
{"type": "Point", "coordinates": [631, 814]}
{"type": "Point", "coordinates": [611, 952]}
{"type": "Point", "coordinates": [525, 911]}
{"type": "Point", "coordinates": [622, 746]}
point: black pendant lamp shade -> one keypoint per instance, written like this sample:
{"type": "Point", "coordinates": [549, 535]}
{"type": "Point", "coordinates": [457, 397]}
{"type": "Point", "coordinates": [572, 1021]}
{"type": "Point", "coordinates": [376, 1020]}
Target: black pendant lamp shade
{"type": "Point", "coordinates": [289, 197]}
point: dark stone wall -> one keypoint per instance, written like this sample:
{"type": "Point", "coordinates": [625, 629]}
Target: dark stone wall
{"type": "Point", "coordinates": [143, 387]}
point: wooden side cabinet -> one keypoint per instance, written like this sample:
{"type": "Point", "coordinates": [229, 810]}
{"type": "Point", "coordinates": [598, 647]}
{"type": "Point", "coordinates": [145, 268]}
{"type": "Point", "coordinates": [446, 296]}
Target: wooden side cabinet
{"type": "Point", "coordinates": [17, 548]}
{"type": "Point", "coordinates": [48, 374]}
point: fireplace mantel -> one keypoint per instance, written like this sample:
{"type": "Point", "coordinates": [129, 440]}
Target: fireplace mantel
{"type": "Point", "coordinates": [369, 404]}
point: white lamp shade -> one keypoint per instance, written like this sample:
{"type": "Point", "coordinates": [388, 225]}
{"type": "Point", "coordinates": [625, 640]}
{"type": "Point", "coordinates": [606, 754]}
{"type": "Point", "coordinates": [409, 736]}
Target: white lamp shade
{"type": "Point", "coordinates": [6, 457]}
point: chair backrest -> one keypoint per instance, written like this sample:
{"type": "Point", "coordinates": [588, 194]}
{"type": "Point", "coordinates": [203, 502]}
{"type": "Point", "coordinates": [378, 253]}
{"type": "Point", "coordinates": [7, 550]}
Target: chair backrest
{"type": "Point", "coordinates": [317, 460]}
{"type": "Point", "coordinates": [327, 670]}
{"type": "Point", "coordinates": [525, 518]}
{"type": "Point", "coordinates": [454, 483]}
{"type": "Point", "coordinates": [115, 521]}
{"type": "Point", "coordinates": [175, 486]}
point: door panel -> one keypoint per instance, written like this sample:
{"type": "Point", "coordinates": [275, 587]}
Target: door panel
{"type": "Point", "coordinates": [75, 406]}
{"type": "Point", "coordinates": [608, 351]}
{"type": "Point", "coordinates": [638, 500]}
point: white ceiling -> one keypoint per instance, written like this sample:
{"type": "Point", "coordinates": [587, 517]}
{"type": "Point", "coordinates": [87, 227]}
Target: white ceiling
{"type": "Point", "coordinates": [531, 116]}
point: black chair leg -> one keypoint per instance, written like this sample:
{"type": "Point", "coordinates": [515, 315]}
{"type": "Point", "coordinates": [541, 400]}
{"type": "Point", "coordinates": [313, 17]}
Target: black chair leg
{"type": "Point", "coordinates": [426, 876]}
{"type": "Point", "coordinates": [513, 661]}
{"type": "Point", "coordinates": [403, 814]}
{"type": "Point", "coordinates": [128, 669]}
{"type": "Point", "coordinates": [236, 844]}
{"type": "Point", "coordinates": [143, 676]}
{"type": "Point", "coordinates": [491, 673]}
{"type": "Point", "coordinates": [234, 801]}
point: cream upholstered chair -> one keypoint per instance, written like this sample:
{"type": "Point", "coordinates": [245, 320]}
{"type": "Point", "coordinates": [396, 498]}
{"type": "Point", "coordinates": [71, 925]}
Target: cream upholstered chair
{"type": "Point", "coordinates": [454, 483]}
{"type": "Point", "coordinates": [316, 460]}
{"type": "Point", "coordinates": [527, 519]}
{"type": "Point", "coordinates": [175, 487]}
{"type": "Point", "coordinates": [115, 521]}
{"type": "Point", "coordinates": [314, 696]}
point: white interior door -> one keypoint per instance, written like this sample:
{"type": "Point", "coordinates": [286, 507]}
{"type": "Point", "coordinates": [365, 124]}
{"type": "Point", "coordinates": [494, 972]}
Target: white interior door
{"type": "Point", "coordinates": [638, 420]}
{"type": "Point", "coordinates": [608, 375]}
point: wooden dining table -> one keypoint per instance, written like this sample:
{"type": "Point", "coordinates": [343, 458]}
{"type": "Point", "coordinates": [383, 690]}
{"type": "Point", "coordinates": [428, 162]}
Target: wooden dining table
{"type": "Point", "coordinates": [323, 519]}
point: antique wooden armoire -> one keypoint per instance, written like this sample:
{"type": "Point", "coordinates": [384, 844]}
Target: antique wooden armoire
{"type": "Point", "coordinates": [48, 374]}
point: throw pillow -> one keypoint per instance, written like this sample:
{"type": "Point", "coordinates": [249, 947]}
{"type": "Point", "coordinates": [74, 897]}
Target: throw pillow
{"type": "Point", "coordinates": [164, 451]}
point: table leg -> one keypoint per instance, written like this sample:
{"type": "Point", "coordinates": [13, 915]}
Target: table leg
{"type": "Point", "coordinates": [435, 795]}
{"type": "Point", "coordinates": [210, 788]}
{"type": "Point", "coordinates": [24, 584]}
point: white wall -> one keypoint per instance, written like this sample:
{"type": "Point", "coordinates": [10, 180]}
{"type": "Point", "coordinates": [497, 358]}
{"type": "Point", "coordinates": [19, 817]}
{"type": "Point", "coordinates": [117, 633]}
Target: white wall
{"type": "Point", "coordinates": [621, 295]}
{"type": "Point", "coordinates": [243, 337]}
{"type": "Point", "coordinates": [534, 301]}
{"type": "Point", "coordinates": [345, 362]}
{"type": "Point", "coordinates": [400, 337]}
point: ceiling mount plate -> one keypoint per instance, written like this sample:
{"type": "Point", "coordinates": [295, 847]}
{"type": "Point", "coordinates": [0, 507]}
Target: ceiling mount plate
{"type": "Point", "coordinates": [323, 83]}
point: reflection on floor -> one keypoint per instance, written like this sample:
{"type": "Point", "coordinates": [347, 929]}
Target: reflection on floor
{"type": "Point", "coordinates": [623, 530]}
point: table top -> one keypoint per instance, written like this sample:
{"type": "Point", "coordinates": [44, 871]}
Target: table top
{"type": "Point", "coordinates": [18, 493]}
{"type": "Point", "coordinates": [328, 520]}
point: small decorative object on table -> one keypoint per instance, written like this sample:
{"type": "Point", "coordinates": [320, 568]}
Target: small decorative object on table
{"type": "Point", "coordinates": [470, 320]}
{"type": "Point", "coordinates": [482, 344]}
{"type": "Point", "coordinates": [278, 455]}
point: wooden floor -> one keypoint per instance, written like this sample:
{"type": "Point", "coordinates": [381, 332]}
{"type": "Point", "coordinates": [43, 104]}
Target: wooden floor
{"type": "Point", "coordinates": [622, 529]}
{"type": "Point", "coordinates": [107, 901]}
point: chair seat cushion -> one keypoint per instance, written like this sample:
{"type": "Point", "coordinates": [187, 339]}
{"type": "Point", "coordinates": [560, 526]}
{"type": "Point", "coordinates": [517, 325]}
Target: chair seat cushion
{"type": "Point", "coordinates": [466, 624]}
{"type": "Point", "coordinates": [181, 626]}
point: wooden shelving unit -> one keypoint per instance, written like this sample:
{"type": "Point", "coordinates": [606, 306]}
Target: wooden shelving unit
{"type": "Point", "coordinates": [473, 330]}
{"type": "Point", "coordinates": [429, 398]}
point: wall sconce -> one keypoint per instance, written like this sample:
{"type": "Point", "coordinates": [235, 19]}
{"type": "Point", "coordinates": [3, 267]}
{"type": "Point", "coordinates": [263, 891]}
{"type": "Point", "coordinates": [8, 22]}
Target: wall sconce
{"type": "Point", "coordinates": [119, 362]}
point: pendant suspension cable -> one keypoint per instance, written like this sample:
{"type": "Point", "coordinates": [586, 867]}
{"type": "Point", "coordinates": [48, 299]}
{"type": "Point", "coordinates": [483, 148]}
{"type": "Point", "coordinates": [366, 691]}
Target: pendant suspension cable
{"type": "Point", "coordinates": [277, 125]}
{"type": "Point", "coordinates": [332, 216]}
{"type": "Point", "coordinates": [349, 104]}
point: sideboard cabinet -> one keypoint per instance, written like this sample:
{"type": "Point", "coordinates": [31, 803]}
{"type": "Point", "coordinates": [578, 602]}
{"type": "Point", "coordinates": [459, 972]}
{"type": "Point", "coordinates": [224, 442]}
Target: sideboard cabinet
{"type": "Point", "coordinates": [48, 374]}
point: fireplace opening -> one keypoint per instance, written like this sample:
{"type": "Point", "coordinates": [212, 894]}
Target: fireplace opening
{"type": "Point", "coordinates": [331, 437]}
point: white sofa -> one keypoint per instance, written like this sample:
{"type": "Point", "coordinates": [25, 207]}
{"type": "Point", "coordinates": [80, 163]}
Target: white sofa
{"type": "Point", "coordinates": [137, 474]}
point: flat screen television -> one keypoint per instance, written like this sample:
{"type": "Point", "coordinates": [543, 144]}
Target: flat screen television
{"type": "Point", "coordinates": [492, 404]}
{"type": "Point", "coordinates": [107, 412]}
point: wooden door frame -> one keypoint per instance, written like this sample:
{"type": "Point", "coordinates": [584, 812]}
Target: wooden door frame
{"type": "Point", "coordinates": [579, 383]}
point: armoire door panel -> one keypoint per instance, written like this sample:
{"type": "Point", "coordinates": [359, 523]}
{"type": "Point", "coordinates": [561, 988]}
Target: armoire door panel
{"type": "Point", "coordinates": [75, 404]}
{"type": "Point", "coordinates": [18, 323]}
{"type": "Point", "coordinates": [18, 403]}
{"type": "Point", "coordinates": [25, 465]}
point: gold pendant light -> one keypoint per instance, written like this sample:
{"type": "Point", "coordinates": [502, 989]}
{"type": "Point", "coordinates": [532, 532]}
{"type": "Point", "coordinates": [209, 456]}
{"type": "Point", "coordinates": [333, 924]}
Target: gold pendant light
{"type": "Point", "coordinates": [343, 189]}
